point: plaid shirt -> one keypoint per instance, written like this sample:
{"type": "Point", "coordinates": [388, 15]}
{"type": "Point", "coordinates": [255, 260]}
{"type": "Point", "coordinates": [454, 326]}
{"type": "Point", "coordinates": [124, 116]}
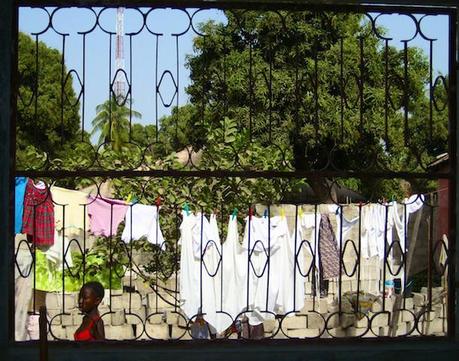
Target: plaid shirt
{"type": "Point", "coordinates": [38, 216]}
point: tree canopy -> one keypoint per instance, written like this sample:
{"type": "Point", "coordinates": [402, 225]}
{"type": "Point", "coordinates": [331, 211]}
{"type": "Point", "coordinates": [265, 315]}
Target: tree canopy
{"type": "Point", "coordinates": [323, 87]}
{"type": "Point", "coordinates": [48, 120]}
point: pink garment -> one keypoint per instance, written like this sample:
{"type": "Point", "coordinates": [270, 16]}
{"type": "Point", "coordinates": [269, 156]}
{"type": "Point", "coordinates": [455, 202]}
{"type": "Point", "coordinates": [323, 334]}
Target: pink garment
{"type": "Point", "coordinates": [104, 212]}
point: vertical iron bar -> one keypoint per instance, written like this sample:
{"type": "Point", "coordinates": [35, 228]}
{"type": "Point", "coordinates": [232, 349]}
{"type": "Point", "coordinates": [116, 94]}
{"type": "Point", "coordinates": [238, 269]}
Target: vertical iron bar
{"type": "Point", "coordinates": [430, 259]}
{"type": "Point", "coordinates": [177, 61]}
{"type": "Point", "coordinates": [156, 88]}
{"type": "Point", "coordinates": [295, 263]}
{"type": "Point", "coordinates": [386, 93]}
{"type": "Point", "coordinates": [84, 244]}
{"type": "Point", "coordinates": [83, 104]}
{"type": "Point", "coordinates": [110, 97]}
{"type": "Point", "coordinates": [405, 93]}
{"type": "Point", "coordinates": [250, 91]}
{"type": "Point", "coordinates": [62, 88]}
{"type": "Point", "coordinates": [268, 257]}
{"type": "Point", "coordinates": [431, 90]}
{"type": "Point", "coordinates": [130, 88]}
{"type": "Point", "coordinates": [361, 81]}
{"type": "Point", "coordinates": [453, 99]}
{"type": "Point", "coordinates": [342, 90]}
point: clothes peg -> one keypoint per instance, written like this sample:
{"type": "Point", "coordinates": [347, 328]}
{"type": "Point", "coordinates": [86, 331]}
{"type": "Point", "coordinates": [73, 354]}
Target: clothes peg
{"type": "Point", "coordinates": [234, 214]}
{"type": "Point", "coordinates": [265, 213]}
{"type": "Point", "coordinates": [186, 208]}
{"type": "Point", "coordinates": [282, 212]}
{"type": "Point", "coordinates": [250, 212]}
{"type": "Point", "coordinates": [158, 201]}
{"type": "Point", "coordinates": [129, 197]}
{"type": "Point", "coordinates": [300, 211]}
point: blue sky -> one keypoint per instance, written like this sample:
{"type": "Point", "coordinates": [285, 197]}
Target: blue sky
{"type": "Point", "coordinates": [167, 22]}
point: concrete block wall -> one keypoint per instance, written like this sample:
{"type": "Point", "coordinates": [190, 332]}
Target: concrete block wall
{"type": "Point", "coordinates": [143, 315]}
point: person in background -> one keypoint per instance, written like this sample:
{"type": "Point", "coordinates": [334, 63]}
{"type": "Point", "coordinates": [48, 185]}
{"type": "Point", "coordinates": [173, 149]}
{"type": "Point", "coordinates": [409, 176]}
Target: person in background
{"type": "Point", "coordinates": [92, 326]}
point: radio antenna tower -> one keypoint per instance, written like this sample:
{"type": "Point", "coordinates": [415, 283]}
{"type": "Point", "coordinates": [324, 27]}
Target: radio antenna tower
{"type": "Point", "coordinates": [119, 56]}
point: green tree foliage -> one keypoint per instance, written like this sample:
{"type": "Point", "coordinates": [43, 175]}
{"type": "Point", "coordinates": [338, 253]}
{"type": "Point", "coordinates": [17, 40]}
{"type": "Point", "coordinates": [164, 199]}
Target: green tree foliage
{"type": "Point", "coordinates": [279, 75]}
{"type": "Point", "coordinates": [112, 123]}
{"type": "Point", "coordinates": [48, 121]}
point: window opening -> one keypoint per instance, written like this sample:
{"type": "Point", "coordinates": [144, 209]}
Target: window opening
{"type": "Point", "coordinates": [234, 173]}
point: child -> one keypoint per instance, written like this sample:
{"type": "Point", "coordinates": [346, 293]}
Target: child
{"type": "Point", "coordinates": [92, 327]}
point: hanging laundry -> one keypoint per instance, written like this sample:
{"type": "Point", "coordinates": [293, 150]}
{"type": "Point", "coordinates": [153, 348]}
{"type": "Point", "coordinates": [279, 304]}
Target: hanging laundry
{"type": "Point", "coordinates": [262, 240]}
{"type": "Point", "coordinates": [377, 226]}
{"type": "Point", "coordinates": [143, 221]}
{"type": "Point", "coordinates": [328, 250]}
{"type": "Point", "coordinates": [234, 274]}
{"type": "Point", "coordinates": [57, 251]}
{"type": "Point", "coordinates": [19, 193]}
{"type": "Point", "coordinates": [400, 219]}
{"type": "Point", "coordinates": [206, 237]}
{"type": "Point", "coordinates": [343, 230]}
{"type": "Point", "coordinates": [71, 203]}
{"type": "Point", "coordinates": [401, 216]}
{"type": "Point", "coordinates": [200, 274]}
{"type": "Point", "coordinates": [105, 215]}
{"type": "Point", "coordinates": [189, 276]}
{"type": "Point", "coordinates": [291, 292]}
{"type": "Point", "coordinates": [38, 217]}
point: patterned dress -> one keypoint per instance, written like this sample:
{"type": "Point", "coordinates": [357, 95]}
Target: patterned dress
{"type": "Point", "coordinates": [328, 249]}
{"type": "Point", "coordinates": [38, 217]}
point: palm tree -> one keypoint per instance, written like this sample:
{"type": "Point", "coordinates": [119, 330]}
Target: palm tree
{"type": "Point", "coordinates": [118, 115]}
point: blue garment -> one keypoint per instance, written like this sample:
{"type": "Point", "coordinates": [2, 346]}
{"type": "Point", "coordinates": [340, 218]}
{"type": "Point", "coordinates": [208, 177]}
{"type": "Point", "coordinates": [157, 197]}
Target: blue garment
{"type": "Point", "coordinates": [21, 183]}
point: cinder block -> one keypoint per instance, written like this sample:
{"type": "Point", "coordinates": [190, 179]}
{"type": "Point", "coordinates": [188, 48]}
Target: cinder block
{"type": "Point", "coordinates": [280, 336]}
{"type": "Point", "coordinates": [419, 299]}
{"type": "Point", "coordinates": [362, 323]}
{"type": "Point", "coordinates": [437, 326]}
{"type": "Point", "coordinates": [294, 322]}
{"type": "Point", "coordinates": [118, 318]}
{"type": "Point", "coordinates": [52, 316]}
{"type": "Point", "coordinates": [172, 318]}
{"type": "Point", "coordinates": [169, 284]}
{"type": "Point", "coordinates": [304, 333]}
{"type": "Point", "coordinates": [156, 319]}
{"type": "Point", "coordinates": [106, 299]}
{"type": "Point", "coordinates": [70, 332]}
{"type": "Point", "coordinates": [347, 319]}
{"type": "Point", "coordinates": [406, 316]}
{"type": "Point", "coordinates": [179, 333]}
{"type": "Point", "coordinates": [354, 331]}
{"type": "Point", "coordinates": [309, 305]}
{"type": "Point", "coordinates": [136, 316]}
{"type": "Point", "coordinates": [142, 287]}
{"type": "Point", "coordinates": [77, 317]}
{"type": "Point", "coordinates": [337, 332]}
{"type": "Point", "coordinates": [132, 301]}
{"type": "Point", "coordinates": [158, 332]}
{"type": "Point", "coordinates": [379, 320]}
{"type": "Point", "coordinates": [157, 303]}
{"type": "Point", "coordinates": [315, 321]}
{"type": "Point", "coordinates": [67, 319]}
{"type": "Point", "coordinates": [403, 328]}
{"type": "Point", "coordinates": [270, 325]}
{"type": "Point", "coordinates": [409, 304]}
{"type": "Point", "coordinates": [56, 301]}
{"type": "Point", "coordinates": [383, 331]}
{"type": "Point", "coordinates": [332, 320]}
{"type": "Point", "coordinates": [57, 332]}
{"type": "Point", "coordinates": [378, 305]}
{"type": "Point", "coordinates": [323, 305]}
{"type": "Point", "coordinates": [122, 332]}
{"type": "Point", "coordinates": [117, 303]}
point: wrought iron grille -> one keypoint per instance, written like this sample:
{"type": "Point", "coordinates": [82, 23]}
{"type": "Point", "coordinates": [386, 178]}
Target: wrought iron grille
{"type": "Point", "coordinates": [290, 115]}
